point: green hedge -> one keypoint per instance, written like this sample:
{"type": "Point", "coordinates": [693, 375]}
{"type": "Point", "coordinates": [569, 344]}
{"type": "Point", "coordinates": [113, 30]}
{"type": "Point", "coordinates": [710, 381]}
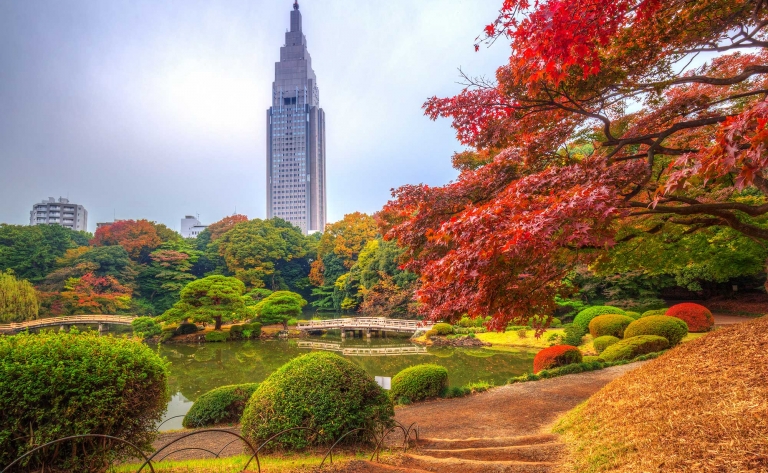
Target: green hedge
{"type": "Point", "coordinates": [588, 364]}
{"type": "Point", "coordinates": [573, 335]}
{"type": "Point", "coordinates": [216, 336]}
{"type": "Point", "coordinates": [254, 327]}
{"type": "Point", "coordinates": [186, 329]}
{"type": "Point", "coordinates": [634, 346]}
{"type": "Point", "coordinates": [609, 324]}
{"type": "Point", "coordinates": [220, 405]}
{"type": "Point", "coordinates": [601, 343]}
{"type": "Point", "coordinates": [54, 385]}
{"type": "Point", "coordinates": [145, 327]}
{"type": "Point", "coordinates": [649, 313]}
{"type": "Point", "coordinates": [671, 328]}
{"type": "Point", "coordinates": [634, 315]}
{"type": "Point", "coordinates": [321, 391]}
{"type": "Point", "coordinates": [585, 316]}
{"type": "Point", "coordinates": [443, 329]}
{"type": "Point", "coordinates": [419, 382]}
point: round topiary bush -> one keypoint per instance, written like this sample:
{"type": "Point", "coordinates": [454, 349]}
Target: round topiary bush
{"type": "Point", "coordinates": [649, 313]}
{"type": "Point", "coordinates": [584, 317]}
{"type": "Point", "coordinates": [609, 324]}
{"type": "Point", "coordinates": [216, 336]}
{"type": "Point", "coordinates": [220, 405]}
{"type": "Point", "coordinates": [186, 328]}
{"type": "Point", "coordinates": [146, 327]}
{"type": "Point", "coordinates": [235, 331]}
{"type": "Point", "coordinates": [418, 382]}
{"type": "Point", "coordinates": [321, 391]}
{"type": "Point", "coordinates": [254, 327]}
{"type": "Point", "coordinates": [634, 315]}
{"type": "Point", "coordinates": [671, 328]}
{"type": "Point", "coordinates": [54, 385]}
{"type": "Point", "coordinates": [443, 329]}
{"type": "Point", "coordinates": [601, 343]}
{"type": "Point", "coordinates": [558, 355]}
{"type": "Point", "coordinates": [634, 346]}
{"type": "Point", "coordinates": [698, 317]}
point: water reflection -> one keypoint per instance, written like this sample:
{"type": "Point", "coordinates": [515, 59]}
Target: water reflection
{"type": "Point", "coordinates": [196, 369]}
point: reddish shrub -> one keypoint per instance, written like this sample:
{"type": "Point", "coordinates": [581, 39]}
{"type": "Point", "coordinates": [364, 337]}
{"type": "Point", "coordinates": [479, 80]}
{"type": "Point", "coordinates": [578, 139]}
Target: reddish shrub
{"type": "Point", "coordinates": [558, 355]}
{"type": "Point", "coordinates": [698, 317]}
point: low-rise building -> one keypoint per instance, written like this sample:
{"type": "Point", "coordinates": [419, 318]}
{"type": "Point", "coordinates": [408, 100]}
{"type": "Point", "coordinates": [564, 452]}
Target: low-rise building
{"type": "Point", "coordinates": [59, 212]}
{"type": "Point", "coordinates": [191, 227]}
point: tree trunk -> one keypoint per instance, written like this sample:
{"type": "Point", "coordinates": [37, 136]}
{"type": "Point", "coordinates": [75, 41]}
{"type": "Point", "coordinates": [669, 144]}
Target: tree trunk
{"type": "Point", "coordinates": [285, 324]}
{"type": "Point", "coordinates": [218, 323]}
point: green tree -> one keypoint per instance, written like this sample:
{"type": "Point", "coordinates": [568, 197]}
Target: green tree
{"type": "Point", "coordinates": [280, 306]}
{"type": "Point", "coordinates": [161, 281]}
{"type": "Point", "coordinates": [213, 299]}
{"type": "Point", "coordinates": [18, 299]}
{"type": "Point", "coordinates": [255, 250]}
{"type": "Point", "coordinates": [31, 251]}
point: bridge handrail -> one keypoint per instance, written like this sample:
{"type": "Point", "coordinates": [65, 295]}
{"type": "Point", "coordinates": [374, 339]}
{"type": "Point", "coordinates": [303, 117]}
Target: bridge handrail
{"type": "Point", "coordinates": [362, 322]}
{"type": "Point", "coordinates": [66, 320]}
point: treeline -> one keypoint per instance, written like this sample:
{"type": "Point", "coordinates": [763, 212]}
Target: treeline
{"type": "Point", "coordinates": [140, 267]}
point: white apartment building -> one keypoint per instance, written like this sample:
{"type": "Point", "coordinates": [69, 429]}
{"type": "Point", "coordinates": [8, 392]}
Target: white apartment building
{"type": "Point", "coordinates": [191, 227]}
{"type": "Point", "coordinates": [59, 212]}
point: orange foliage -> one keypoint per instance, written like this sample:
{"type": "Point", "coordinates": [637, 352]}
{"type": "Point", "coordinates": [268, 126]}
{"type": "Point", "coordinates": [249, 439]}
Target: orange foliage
{"type": "Point", "coordinates": [558, 355]}
{"type": "Point", "coordinates": [138, 237]}
{"type": "Point", "coordinates": [224, 225]}
{"type": "Point", "coordinates": [698, 317]}
{"type": "Point", "coordinates": [347, 237]}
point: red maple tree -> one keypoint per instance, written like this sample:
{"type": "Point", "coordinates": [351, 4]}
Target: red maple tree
{"type": "Point", "coordinates": [597, 129]}
{"type": "Point", "coordinates": [138, 237]}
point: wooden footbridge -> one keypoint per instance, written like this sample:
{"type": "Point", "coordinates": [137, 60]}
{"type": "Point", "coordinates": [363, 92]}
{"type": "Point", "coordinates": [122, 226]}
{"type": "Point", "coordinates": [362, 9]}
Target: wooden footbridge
{"type": "Point", "coordinates": [366, 325]}
{"type": "Point", "coordinates": [364, 351]}
{"type": "Point", "coordinates": [102, 320]}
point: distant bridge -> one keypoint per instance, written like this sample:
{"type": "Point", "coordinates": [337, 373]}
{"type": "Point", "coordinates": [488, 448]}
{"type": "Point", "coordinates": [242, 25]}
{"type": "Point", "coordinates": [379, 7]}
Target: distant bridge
{"type": "Point", "coordinates": [365, 351]}
{"type": "Point", "coordinates": [102, 320]}
{"type": "Point", "coordinates": [366, 325]}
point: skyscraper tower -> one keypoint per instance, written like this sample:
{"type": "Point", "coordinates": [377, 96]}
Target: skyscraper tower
{"type": "Point", "coordinates": [296, 137]}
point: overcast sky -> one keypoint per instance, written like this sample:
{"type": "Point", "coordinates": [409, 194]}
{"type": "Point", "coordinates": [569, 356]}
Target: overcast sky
{"type": "Point", "coordinates": [156, 109]}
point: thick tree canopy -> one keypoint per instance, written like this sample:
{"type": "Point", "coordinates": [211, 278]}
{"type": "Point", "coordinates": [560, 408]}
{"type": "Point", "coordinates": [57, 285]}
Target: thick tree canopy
{"type": "Point", "coordinates": [280, 306]}
{"type": "Point", "coordinates": [598, 122]}
{"type": "Point", "coordinates": [213, 299]}
{"type": "Point", "coordinates": [138, 237]}
{"type": "Point", "coordinates": [18, 299]}
{"type": "Point", "coordinates": [31, 251]}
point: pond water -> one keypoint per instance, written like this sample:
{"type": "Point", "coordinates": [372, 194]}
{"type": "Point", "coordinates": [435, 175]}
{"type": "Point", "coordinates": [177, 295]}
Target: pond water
{"type": "Point", "coordinates": [196, 369]}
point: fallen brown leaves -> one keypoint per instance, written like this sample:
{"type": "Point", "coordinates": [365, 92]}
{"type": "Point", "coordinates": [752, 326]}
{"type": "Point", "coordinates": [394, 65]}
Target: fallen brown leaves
{"type": "Point", "coordinates": [702, 407]}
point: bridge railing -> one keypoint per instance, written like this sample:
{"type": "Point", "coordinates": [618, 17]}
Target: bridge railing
{"type": "Point", "coordinates": [67, 320]}
{"type": "Point", "coordinates": [363, 323]}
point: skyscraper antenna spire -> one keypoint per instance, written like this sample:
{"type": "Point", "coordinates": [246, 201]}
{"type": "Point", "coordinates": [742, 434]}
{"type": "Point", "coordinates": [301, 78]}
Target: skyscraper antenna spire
{"type": "Point", "coordinates": [295, 4]}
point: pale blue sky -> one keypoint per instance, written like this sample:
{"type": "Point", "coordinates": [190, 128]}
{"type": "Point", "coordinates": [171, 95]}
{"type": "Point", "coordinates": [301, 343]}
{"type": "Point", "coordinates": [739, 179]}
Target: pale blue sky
{"type": "Point", "coordinates": [155, 109]}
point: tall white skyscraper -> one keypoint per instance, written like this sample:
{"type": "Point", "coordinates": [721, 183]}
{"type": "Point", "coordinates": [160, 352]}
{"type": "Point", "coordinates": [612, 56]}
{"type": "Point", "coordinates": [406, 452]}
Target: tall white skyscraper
{"type": "Point", "coordinates": [296, 137]}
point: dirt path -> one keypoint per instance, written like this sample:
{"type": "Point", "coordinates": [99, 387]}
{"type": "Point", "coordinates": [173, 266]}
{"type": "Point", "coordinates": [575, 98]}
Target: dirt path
{"type": "Point", "coordinates": [730, 319]}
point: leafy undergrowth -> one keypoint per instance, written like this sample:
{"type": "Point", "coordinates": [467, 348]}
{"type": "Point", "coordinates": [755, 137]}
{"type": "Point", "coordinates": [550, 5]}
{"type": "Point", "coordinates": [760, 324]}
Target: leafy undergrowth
{"type": "Point", "coordinates": [701, 407]}
{"type": "Point", "coordinates": [298, 463]}
{"type": "Point", "coordinates": [513, 339]}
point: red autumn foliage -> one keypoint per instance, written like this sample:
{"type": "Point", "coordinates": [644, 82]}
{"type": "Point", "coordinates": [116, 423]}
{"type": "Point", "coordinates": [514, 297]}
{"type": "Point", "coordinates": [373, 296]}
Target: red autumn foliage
{"type": "Point", "coordinates": [594, 132]}
{"type": "Point", "coordinates": [138, 237]}
{"type": "Point", "coordinates": [698, 317]}
{"type": "Point", "coordinates": [558, 355]}
{"type": "Point", "coordinates": [224, 225]}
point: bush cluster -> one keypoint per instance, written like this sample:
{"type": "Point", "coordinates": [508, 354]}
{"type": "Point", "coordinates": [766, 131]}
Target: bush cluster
{"type": "Point", "coordinates": [558, 355]}
{"type": "Point", "coordinates": [419, 382]}
{"type": "Point", "coordinates": [671, 328]}
{"type": "Point", "coordinates": [589, 363]}
{"type": "Point", "coordinates": [216, 336]}
{"type": "Point", "coordinates": [54, 385]}
{"type": "Point", "coordinates": [254, 328]}
{"type": "Point", "coordinates": [634, 315]}
{"type": "Point", "coordinates": [442, 329]}
{"type": "Point", "coordinates": [698, 317]}
{"type": "Point", "coordinates": [322, 391]}
{"type": "Point", "coordinates": [634, 346]}
{"type": "Point", "coordinates": [601, 343]}
{"type": "Point", "coordinates": [584, 317]}
{"type": "Point", "coordinates": [573, 335]}
{"type": "Point", "coordinates": [649, 313]}
{"type": "Point", "coordinates": [186, 328]}
{"type": "Point", "coordinates": [609, 324]}
{"type": "Point", "coordinates": [466, 322]}
{"type": "Point", "coordinates": [220, 405]}
{"type": "Point", "coordinates": [146, 327]}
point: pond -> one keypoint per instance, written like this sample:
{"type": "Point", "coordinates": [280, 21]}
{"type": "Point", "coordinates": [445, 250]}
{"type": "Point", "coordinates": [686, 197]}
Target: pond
{"type": "Point", "coordinates": [196, 369]}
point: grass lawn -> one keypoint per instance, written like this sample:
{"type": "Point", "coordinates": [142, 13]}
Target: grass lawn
{"type": "Point", "coordinates": [512, 339]}
{"type": "Point", "coordinates": [283, 464]}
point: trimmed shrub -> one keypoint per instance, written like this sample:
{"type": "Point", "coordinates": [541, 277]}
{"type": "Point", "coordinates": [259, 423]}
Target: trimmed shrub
{"type": "Point", "coordinates": [254, 327]}
{"type": "Point", "coordinates": [594, 359]}
{"type": "Point", "coordinates": [186, 328]}
{"type": "Point", "coordinates": [649, 313]}
{"type": "Point", "coordinates": [671, 328]}
{"type": "Point", "coordinates": [145, 327]}
{"type": "Point", "coordinates": [584, 317]}
{"type": "Point", "coordinates": [558, 355]}
{"type": "Point", "coordinates": [430, 333]}
{"type": "Point", "coordinates": [634, 315]}
{"type": "Point", "coordinates": [573, 335]}
{"type": "Point", "coordinates": [321, 391]}
{"type": "Point", "coordinates": [216, 336]}
{"type": "Point", "coordinates": [609, 324]}
{"type": "Point", "coordinates": [419, 382]}
{"type": "Point", "coordinates": [634, 346]}
{"type": "Point", "coordinates": [698, 317]}
{"type": "Point", "coordinates": [540, 319]}
{"type": "Point", "coordinates": [236, 330]}
{"type": "Point", "coordinates": [53, 385]}
{"type": "Point", "coordinates": [443, 329]}
{"type": "Point", "coordinates": [601, 343]}
{"type": "Point", "coordinates": [220, 405]}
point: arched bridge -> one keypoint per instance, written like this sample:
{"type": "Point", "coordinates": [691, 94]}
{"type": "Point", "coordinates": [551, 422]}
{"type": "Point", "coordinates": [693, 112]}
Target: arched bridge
{"type": "Point", "coordinates": [366, 325]}
{"type": "Point", "coordinates": [102, 320]}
